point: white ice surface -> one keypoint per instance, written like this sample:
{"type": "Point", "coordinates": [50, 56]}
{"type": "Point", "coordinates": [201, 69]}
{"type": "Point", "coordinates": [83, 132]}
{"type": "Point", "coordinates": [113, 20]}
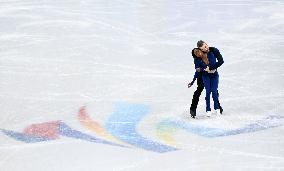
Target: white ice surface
{"type": "Point", "coordinates": [57, 56]}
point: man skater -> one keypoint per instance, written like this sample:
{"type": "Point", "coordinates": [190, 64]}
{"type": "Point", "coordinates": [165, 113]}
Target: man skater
{"type": "Point", "coordinates": [198, 75]}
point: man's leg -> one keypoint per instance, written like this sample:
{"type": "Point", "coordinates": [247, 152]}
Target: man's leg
{"type": "Point", "coordinates": [214, 87]}
{"type": "Point", "coordinates": [206, 82]}
{"type": "Point", "coordinates": [196, 95]}
{"type": "Point", "coordinates": [220, 107]}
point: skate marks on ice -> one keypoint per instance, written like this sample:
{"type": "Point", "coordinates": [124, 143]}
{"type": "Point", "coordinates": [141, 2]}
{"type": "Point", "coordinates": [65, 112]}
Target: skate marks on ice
{"type": "Point", "coordinates": [120, 129]}
{"type": "Point", "coordinates": [36, 132]}
{"type": "Point", "coordinates": [52, 131]}
{"type": "Point", "coordinates": [122, 124]}
{"type": "Point", "coordinates": [94, 126]}
{"type": "Point", "coordinates": [168, 127]}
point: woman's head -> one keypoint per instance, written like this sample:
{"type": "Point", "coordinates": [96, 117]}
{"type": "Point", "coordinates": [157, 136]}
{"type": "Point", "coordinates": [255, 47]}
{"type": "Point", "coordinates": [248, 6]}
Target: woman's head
{"type": "Point", "coordinates": [198, 53]}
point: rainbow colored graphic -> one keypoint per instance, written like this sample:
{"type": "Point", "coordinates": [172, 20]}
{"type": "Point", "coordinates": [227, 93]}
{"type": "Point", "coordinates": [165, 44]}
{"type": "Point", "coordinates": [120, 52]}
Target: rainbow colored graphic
{"type": "Point", "coordinates": [167, 128]}
{"type": "Point", "coordinates": [121, 129]}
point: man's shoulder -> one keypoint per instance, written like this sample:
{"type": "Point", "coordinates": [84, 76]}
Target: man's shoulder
{"type": "Point", "coordinates": [212, 49]}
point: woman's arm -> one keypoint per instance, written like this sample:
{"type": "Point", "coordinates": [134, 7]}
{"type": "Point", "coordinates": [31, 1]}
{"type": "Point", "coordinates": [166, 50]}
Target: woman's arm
{"type": "Point", "coordinates": [196, 74]}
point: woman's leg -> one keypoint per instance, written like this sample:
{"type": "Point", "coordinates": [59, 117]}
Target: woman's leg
{"type": "Point", "coordinates": [197, 94]}
{"type": "Point", "coordinates": [206, 82]}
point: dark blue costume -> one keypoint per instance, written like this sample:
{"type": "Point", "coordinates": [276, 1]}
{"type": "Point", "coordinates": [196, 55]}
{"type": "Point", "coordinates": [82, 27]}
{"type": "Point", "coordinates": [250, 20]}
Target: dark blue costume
{"type": "Point", "coordinates": [210, 80]}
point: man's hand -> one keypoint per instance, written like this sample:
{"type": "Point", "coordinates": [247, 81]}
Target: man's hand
{"type": "Point", "coordinates": [189, 85]}
{"type": "Point", "coordinates": [210, 71]}
{"type": "Point", "coordinates": [207, 69]}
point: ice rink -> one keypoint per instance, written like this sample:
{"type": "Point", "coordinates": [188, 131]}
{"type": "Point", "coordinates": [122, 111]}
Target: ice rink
{"type": "Point", "coordinates": [100, 85]}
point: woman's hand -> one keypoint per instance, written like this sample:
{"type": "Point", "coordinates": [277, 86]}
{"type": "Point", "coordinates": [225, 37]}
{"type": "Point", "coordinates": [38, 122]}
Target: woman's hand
{"type": "Point", "coordinates": [189, 85]}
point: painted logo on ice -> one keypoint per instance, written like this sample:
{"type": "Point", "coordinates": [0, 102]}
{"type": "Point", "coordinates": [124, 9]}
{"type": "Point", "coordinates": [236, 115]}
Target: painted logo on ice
{"type": "Point", "coordinates": [167, 128]}
{"type": "Point", "coordinates": [120, 129]}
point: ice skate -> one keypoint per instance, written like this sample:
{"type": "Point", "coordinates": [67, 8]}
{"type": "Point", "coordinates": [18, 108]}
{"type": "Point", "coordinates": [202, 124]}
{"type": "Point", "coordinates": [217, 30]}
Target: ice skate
{"type": "Point", "coordinates": [192, 113]}
{"type": "Point", "coordinates": [208, 113]}
{"type": "Point", "coordinates": [218, 112]}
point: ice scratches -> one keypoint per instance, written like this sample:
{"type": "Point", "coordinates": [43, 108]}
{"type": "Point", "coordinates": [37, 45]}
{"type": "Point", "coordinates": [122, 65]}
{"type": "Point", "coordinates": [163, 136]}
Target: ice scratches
{"type": "Point", "coordinates": [257, 155]}
{"type": "Point", "coordinates": [23, 137]}
{"type": "Point", "coordinates": [132, 115]}
{"type": "Point", "coordinates": [217, 150]}
{"type": "Point", "coordinates": [65, 130]}
{"type": "Point", "coordinates": [8, 156]}
{"type": "Point", "coordinates": [120, 129]}
{"type": "Point", "coordinates": [167, 128]}
{"type": "Point", "coordinates": [61, 129]}
{"type": "Point", "coordinates": [133, 165]}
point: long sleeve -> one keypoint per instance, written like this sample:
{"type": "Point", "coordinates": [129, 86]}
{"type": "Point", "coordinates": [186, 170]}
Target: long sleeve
{"type": "Point", "coordinates": [197, 63]}
{"type": "Point", "coordinates": [218, 56]}
{"type": "Point", "coordinates": [196, 74]}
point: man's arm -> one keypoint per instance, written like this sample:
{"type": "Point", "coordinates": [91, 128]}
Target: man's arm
{"type": "Point", "coordinates": [219, 57]}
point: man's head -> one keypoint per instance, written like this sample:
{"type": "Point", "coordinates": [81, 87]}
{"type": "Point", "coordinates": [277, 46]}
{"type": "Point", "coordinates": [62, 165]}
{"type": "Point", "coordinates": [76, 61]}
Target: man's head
{"type": "Point", "coordinates": [203, 46]}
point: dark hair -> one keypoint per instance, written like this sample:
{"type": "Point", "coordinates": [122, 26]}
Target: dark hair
{"type": "Point", "coordinates": [200, 43]}
{"type": "Point", "coordinates": [192, 53]}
